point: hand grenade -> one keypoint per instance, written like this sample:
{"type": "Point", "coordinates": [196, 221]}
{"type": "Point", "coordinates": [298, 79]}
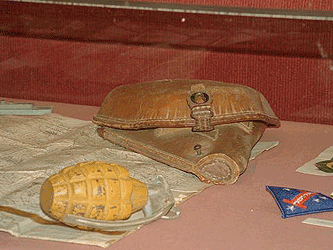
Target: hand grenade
{"type": "Point", "coordinates": [94, 190]}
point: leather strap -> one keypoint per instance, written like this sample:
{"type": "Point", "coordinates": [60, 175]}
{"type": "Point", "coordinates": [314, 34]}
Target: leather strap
{"type": "Point", "coordinates": [199, 100]}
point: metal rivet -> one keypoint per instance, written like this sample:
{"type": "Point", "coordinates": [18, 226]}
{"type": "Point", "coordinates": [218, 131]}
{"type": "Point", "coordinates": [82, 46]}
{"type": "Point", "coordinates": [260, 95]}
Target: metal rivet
{"type": "Point", "coordinates": [198, 149]}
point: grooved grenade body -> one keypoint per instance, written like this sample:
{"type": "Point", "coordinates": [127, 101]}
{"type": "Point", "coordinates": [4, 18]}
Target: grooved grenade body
{"type": "Point", "coordinates": [94, 190]}
{"type": "Point", "coordinates": [203, 127]}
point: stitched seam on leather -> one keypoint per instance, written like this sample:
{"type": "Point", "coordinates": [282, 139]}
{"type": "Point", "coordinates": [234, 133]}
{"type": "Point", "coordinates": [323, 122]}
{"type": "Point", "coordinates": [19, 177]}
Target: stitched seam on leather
{"type": "Point", "coordinates": [144, 120]}
{"type": "Point", "coordinates": [190, 119]}
{"type": "Point", "coordinates": [215, 120]}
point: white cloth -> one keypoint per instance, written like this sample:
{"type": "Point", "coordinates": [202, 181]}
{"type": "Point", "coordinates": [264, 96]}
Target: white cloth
{"type": "Point", "coordinates": [33, 148]}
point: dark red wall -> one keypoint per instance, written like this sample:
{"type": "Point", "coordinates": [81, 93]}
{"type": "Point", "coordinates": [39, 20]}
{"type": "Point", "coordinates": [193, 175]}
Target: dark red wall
{"type": "Point", "coordinates": [318, 5]}
{"type": "Point", "coordinates": [298, 89]}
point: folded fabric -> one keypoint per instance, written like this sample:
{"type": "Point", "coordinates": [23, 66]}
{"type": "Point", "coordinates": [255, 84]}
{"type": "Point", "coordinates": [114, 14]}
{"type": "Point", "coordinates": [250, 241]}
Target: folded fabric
{"type": "Point", "coordinates": [294, 202]}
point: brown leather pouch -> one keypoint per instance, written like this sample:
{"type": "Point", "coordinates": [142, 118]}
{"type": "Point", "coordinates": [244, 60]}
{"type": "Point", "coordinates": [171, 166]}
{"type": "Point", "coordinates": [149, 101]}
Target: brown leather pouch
{"type": "Point", "coordinates": [203, 127]}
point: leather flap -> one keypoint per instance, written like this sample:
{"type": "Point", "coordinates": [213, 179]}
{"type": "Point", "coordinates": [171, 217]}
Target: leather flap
{"type": "Point", "coordinates": [199, 104]}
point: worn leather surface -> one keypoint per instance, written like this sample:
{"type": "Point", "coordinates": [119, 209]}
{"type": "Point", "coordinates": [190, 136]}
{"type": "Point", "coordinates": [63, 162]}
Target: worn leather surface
{"type": "Point", "coordinates": [203, 127]}
{"type": "Point", "coordinates": [164, 104]}
{"type": "Point", "coordinates": [222, 157]}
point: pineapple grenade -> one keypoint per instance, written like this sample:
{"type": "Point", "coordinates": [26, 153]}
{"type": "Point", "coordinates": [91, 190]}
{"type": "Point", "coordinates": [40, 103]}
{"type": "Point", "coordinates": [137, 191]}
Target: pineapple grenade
{"type": "Point", "coordinates": [94, 190]}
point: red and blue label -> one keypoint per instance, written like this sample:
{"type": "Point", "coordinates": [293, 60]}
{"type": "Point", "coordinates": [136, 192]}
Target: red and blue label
{"type": "Point", "coordinates": [294, 202]}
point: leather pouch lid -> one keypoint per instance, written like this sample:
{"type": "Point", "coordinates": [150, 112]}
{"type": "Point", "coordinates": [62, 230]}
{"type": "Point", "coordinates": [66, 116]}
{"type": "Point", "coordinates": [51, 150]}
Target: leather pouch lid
{"type": "Point", "coordinates": [199, 104]}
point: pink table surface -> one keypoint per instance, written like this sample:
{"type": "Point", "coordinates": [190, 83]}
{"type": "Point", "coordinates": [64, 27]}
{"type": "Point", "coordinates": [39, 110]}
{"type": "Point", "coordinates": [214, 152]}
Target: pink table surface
{"type": "Point", "coordinates": [239, 216]}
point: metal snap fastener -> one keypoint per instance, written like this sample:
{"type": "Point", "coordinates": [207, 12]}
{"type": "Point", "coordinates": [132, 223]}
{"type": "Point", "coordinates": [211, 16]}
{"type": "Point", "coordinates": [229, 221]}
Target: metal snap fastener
{"type": "Point", "coordinates": [197, 148]}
